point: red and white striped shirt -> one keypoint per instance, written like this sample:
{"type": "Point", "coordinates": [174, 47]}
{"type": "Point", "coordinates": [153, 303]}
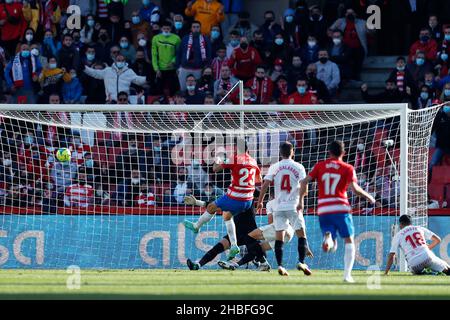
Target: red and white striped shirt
{"type": "Point", "coordinates": [146, 200]}
{"type": "Point", "coordinates": [333, 178]}
{"type": "Point", "coordinates": [244, 170]}
{"type": "Point", "coordinates": [79, 196]}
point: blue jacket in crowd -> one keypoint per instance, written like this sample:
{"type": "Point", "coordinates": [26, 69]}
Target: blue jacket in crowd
{"type": "Point", "coordinates": [197, 63]}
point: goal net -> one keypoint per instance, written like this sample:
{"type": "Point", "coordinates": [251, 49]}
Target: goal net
{"type": "Point", "coordinates": [119, 201]}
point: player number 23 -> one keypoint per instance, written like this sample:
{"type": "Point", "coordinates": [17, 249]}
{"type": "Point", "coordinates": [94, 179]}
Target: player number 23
{"type": "Point", "coordinates": [331, 181]}
{"type": "Point", "coordinates": [247, 177]}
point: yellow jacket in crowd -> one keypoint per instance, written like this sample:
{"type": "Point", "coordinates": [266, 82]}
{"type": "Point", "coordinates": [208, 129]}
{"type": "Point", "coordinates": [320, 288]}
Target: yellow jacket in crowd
{"type": "Point", "coordinates": [208, 13]}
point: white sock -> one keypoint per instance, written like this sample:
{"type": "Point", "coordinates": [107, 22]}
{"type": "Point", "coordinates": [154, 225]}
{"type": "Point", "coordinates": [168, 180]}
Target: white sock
{"type": "Point", "coordinates": [349, 259]}
{"type": "Point", "coordinates": [204, 218]}
{"type": "Point", "coordinates": [231, 230]}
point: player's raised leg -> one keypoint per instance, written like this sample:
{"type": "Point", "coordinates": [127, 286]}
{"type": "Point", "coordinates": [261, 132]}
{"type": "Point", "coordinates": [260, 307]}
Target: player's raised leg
{"type": "Point", "coordinates": [204, 218]}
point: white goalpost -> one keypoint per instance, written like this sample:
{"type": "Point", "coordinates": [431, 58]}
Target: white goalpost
{"type": "Point", "coordinates": [118, 203]}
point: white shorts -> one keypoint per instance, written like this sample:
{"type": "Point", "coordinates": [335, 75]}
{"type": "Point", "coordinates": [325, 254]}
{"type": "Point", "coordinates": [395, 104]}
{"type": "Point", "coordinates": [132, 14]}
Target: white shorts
{"type": "Point", "coordinates": [269, 233]}
{"type": "Point", "coordinates": [282, 219]}
{"type": "Point", "coordinates": [427, 260]}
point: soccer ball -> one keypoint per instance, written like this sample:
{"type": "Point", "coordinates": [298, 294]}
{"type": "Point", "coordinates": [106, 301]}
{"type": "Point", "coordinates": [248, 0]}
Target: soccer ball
{"type": "Point", "coordinates": [63, 155]}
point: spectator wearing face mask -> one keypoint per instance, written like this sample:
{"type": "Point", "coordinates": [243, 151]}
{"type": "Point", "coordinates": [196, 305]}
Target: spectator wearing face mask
{"type": "Point", "coordinates": [243, 26]}
{"type": "Point", "coordinates": [72, 90]}
{"type": "Point", "coordinates": [425, 44]}
{"type": "Point", "coordinates": [317, 86]}
{"type": "Point", "coordinates": [233, 43]}
{"type": "Point", "coordinates": [261, 85]}
{"type": "Point", "coordinates": [317, 25]}
{"type": "Point", "coordinates": [132, 157]}
{"type": "Point", "coordinates": [52, 78]}
{"type": "Point", "coordinates": [21, 73]}
{"type": "Point", "coordinates": [193, 54]}
{"type": "Point", "coordinates": [208, 12]}
{"type": "Point", "coordinates": [88, 30]}
{"type": "Point", "coordinates": [441, 128]}
{"type": "Point", "coordinates": [280, 49]}
{"type": "Point", "coordinates": [419, 67]}
{"type": "Point", "coordinates": [197, 176]}
{"type": "Point", "coordinates": [220, 60]}
{"type": "Point", "coordinates": [192, 95]}
{"type": "Point", "coordinates": [310, 52]}
{"type": "Point", "coordinates": [270, 28]}
{"type": "Point", "coordinates": [339, 53]}
{"type": "Point", "coordinates": [435, 28]}
{"type": "Point", "coordinates": [164, 59]}
{"type": "Point", "coordinates": [117, 78]}
{"type": "Point", "coordinates": [210, 193]}
{"type": "Point", "coordinates": [328, 72]}
{"type": "Point", "coordinates": [206, 82]}
{"type": "Point", "coordinates": [216, 40]}
{"type": "Point", "coordinates": [180, 27]}
{"type": "Point", "coordinates": [355, 37]}
{"type": "Point", "coordinates": [295, 71]}
{"type": "Point", "coordinates": [13, 25]}
{"type": "Point", "coordinates": [139, 26]}
{"type": "Point", "coordinates": [182, 187]}
{"type": "Point", "coordinates": [127, 50]}
{"type": "Point", "coordinates": [50, 46]}
{"type": "Point", "coordinates": [423, 100]}
{"type": "Point", "coordinates": [244, 60]}
{"type": "Point", "coordinates": [129, 188]}
{"type": "Point", "coordinates": [302, 94]}
{"type": "Point", "coordinates": [445, 95]}
{"type": "Point", "coordinates": [29, 38]}
{"type": "Point", "coordinates": [290, 28]}
{"type": "Point", "coordinates": [402, 76]}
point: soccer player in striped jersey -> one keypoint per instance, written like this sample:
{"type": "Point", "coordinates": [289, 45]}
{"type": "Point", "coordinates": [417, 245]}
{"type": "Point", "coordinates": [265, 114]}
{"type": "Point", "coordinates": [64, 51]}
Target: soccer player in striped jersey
{"type": "Point", "coordinates": [334, 177]}
{"type": "Point", "coordinates": [286, 176]}
{"type": "Point", "coordinates": [245, 174]}
{"type": "Point", "coordinates": [413, 241]}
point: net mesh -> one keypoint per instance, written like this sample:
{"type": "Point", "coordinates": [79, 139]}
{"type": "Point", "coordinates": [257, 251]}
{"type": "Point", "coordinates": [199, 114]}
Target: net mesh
{"type": "Point", "coordinates": [119, 201]}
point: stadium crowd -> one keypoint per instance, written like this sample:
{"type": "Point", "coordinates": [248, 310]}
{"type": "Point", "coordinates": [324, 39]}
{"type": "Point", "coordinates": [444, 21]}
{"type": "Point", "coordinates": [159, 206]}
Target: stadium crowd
{"type": "Point", "coordinates": [192, 52]}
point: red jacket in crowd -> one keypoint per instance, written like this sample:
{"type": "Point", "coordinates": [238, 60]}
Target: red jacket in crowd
{"type": "Point", "coordinates": [430, 49]}
{"type": "Point", "coordinates": [243, 64]}
{"type": "Point", "coordinates": [297, 98]}
{"type": "Point", "coordinates": [12, 30]}
{"type": "Point", "coordinates": [262, 88]}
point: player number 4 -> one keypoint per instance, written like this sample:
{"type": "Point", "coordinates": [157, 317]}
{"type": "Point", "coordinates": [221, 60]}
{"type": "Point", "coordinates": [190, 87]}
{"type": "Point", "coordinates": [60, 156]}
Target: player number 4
{"type": "Point", "coordinates": [286, 183]}
{"type": "Point", "coordinates": [331, 181]}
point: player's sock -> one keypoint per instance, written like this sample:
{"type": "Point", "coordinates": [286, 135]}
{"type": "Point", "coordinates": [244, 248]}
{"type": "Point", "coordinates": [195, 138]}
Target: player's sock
{"type": "Point", "coordinates": [349, 259]}
{"type": "Point", "coordinates": [279, 252]}
{"type": "Point", "coordinates": [254, 247]}
{"type": "Point", "coordinates": [246, 259]}
{"type": "Point", "coordinates": [301, 247]}
{"type": "Point", "coordinates": [204, 218]}
{"type": "Point", "coordinates": [211, 254]}
{"type": "Point", "coordinates": [231, 230]}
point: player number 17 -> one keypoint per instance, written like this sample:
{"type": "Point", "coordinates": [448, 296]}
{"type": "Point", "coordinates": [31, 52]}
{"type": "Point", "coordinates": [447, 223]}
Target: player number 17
{"type": "Point", "coordinates": [331, 181]}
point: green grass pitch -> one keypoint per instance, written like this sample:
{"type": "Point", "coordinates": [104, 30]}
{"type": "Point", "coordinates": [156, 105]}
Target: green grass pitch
{"type": "Point", "coordinates": [215, 284]}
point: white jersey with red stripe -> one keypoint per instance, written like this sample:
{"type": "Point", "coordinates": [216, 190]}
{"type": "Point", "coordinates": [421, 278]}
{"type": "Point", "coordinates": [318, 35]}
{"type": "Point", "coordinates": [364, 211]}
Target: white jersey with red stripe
{"type": "Point", "coordinates": [81, 196]}
{"type": "Point", "coordinates": [412, 240]}
{"type": "Point", "coordinates": [286, 176]}
{"type": "Point", "coordinates": [244, 171]}
{"type": "Point", "coordinates": [333, 178]}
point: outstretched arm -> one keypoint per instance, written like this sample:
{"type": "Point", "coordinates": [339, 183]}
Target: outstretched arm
{"type": "Point", "coordinates": [262, 194]}
{"type": "Point", "coordinates": [361, 193]}
{"type": "Point", "coordinates": [389, 262]}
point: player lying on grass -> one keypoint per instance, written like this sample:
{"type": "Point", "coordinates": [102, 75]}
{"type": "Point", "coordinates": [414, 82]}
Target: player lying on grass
{"type": "Point", "coordinates": [245, 174]}
{"type": "Point", "coordinates": [286, 176]}
{"type": "Point", "coordinates": [334, 176]}
{"type": "Point", "coordinates": [413, 241]}
{"type": "Point", "coordinates": [245, 225]}
{"type": "Point", "coordinates": [266, 234]}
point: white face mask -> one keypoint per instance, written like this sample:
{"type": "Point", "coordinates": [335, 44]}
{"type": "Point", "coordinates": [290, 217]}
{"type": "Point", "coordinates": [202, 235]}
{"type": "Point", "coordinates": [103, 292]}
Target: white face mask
{"type": "Point", "coordinates": [360, 147]}
{"type": "Point", "coordinates": [312, 43]}
{"type": "Point", "coordinates": [142, 42]}
{"type": "Point", "coordinates": [29, 37]}
{"type": "Point", "coordinates": [337, 41]}
{"type": "Point", "coordinates": [35, 52]}
{"type": "Point", "coordinates": [7, 162]}
{"type": "Point", "coordinates": [135, 180]}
